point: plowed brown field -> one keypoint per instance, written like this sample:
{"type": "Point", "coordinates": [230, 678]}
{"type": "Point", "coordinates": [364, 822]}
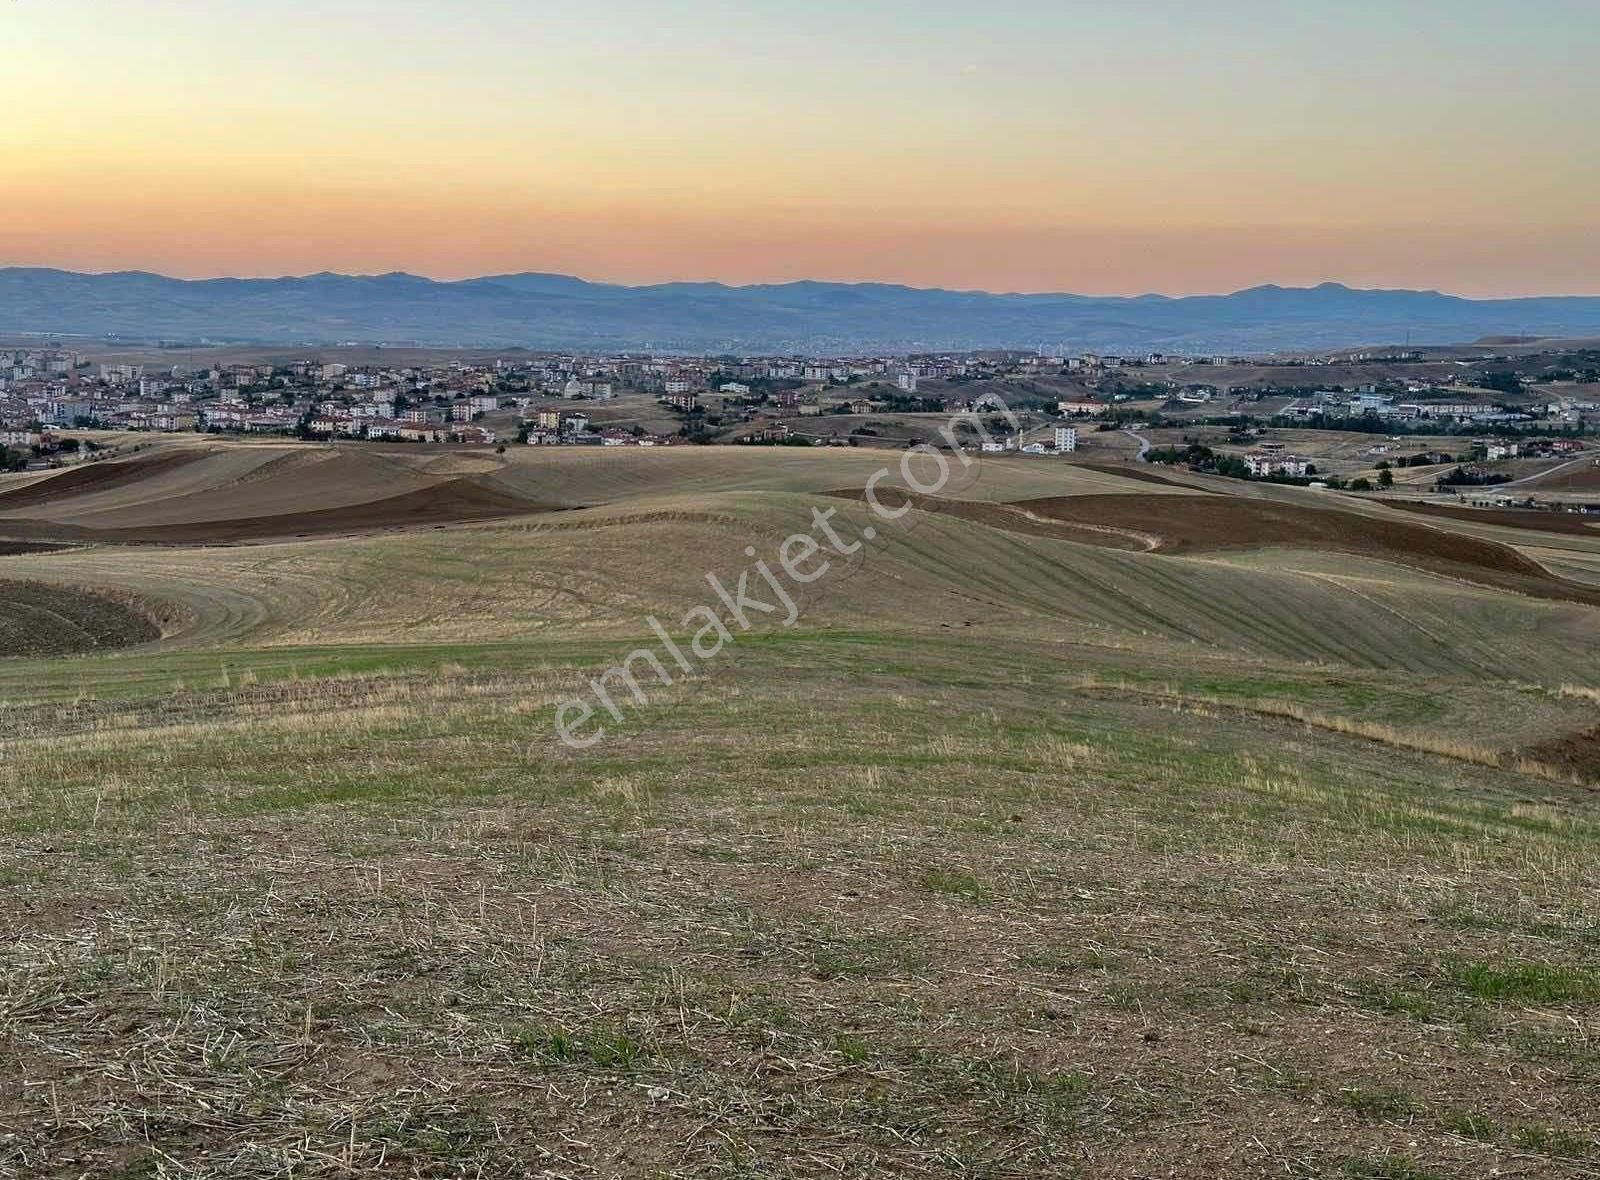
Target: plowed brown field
{"type": "Point", "coordinates": [95, 477]}
{"type": "Point", "coordinates": [449, 502]}
{"type": "Point", "coordinates": [1544, 522]}
{"type": "Point", "coordinates": [1209, 523]}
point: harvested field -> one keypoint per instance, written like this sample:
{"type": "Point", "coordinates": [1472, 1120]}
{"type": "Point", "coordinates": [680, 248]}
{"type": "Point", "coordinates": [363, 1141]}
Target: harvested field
{"type": "Point", "coordinates": [230, 483]}
{"type": "Point", "coordinates": [96, 477]}
{"type": "Point", "coordinates": [451, 502]}
{"type": "Point", "coordinates": [587, 476]}
{"type": "Point", "coordinates": [230, 493]}
{"type": "Point", "coordinates": [1176, 524]}
{"type": "Point", "coordinates": [1544, 522]}
{"type": "Point", "coordinates": [43, 620]}
{"type": "Point", "coordinates": [1040, 844]}
{"type": "Point", "coordinates": [1141, 474]}
{"type": "Point", "coordinates": [599, 572]}
{"type": "Point", "coordinates": [1014, 518]}
{"type": "Point", "coordinates": [1574, 479]}
{"type": "Point", "coordinates": [1198, 524]}
{"type": "Point", "coordinates": [920, 918]}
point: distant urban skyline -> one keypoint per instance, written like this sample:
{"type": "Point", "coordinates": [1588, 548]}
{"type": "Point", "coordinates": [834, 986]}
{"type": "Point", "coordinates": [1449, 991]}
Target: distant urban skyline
{"type": "Point", "coordinates": [1097, 147]}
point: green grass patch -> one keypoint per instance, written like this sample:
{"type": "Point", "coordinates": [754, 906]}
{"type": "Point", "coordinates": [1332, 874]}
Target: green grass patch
{"type": "Point", "coordinates": [1395, 1001]}
{"type": "Point", "coordinates": [1386, 1103]}
{"type": "Point", "coordinates": [1530, 983]}
{"type": "Point", "coordinates": [548, 1045]}
{"type": "Point", "coordinates": [956, 883]}
{"type": "Point", "coordinates": [607, 1048]}
{"type": "Point", "coordinates": [1553, 1141]}
{"type": "Point", "coordinates": [1472, 1124]}
{"type": "Point", "coordinates": [865, 956]}
{"type": "Point", "coordinates": [1394, 1167]}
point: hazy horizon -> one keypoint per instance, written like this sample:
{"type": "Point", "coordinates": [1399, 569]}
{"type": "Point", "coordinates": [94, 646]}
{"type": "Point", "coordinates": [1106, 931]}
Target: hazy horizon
{"type": "Point", "coordinates": [1114, 149]}
{"type": "Point", "coordinates": [269, 276]}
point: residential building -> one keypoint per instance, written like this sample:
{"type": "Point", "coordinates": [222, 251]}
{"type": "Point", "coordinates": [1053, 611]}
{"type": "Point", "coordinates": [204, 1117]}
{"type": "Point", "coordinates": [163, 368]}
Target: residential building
{"type": "Point", "coordinates": [1261, 464]}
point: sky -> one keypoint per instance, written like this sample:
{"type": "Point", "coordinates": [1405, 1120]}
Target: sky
{"type": "Point", "coordinates": [1097, 146]}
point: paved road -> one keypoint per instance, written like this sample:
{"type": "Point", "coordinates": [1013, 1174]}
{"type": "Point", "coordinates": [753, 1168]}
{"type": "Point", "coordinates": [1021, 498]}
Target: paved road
{"type": "Point", "coordinates": [1144, 443]}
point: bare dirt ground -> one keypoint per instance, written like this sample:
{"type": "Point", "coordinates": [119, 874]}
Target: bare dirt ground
{"type": "Point", "coordinates": [1141, 474]}
{"type": "Point", "coordinates": [1579, 479]}
{"type": "Point", "coordinates": [465, 497]}
{"type": "Point", "coordinates": [1544, 522]}
{"type": "Point", "coordinates": [1015, 518]}
{"type": "Point", "coordinates": [1577, 752]}
{"type": "Point", "coordinates": [39, 619]}
{"type": "Point", "coordinates": [448, 502]}
{"type": "Point", "coordinates": [1201, 524]}
{"type": "Point", "coordinates": [95, 477]}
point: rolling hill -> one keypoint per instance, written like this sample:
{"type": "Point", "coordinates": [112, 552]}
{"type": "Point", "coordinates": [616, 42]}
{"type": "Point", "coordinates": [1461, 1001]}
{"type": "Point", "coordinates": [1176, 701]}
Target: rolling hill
{"type": "Point", "coordinates": [292, 543]}
{"type": "Point", "coordinates": [1074, 816]}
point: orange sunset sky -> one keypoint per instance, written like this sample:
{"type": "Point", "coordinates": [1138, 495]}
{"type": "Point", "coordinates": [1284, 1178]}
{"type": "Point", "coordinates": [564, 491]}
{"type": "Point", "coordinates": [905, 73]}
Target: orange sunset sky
{"type": "Point", "coordinates": [1015, 145]}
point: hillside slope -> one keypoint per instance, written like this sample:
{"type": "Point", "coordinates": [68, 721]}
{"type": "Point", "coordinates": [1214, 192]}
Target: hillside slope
{"type": "Point", "coordinates": [1028, 850]}
{"type": "Point", "coordinates": [601, 572]}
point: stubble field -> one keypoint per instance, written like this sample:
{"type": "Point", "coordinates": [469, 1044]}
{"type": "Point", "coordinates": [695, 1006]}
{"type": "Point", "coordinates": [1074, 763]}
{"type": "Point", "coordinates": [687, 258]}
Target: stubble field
{"type": "Point", "coordinates": [1016, 856]}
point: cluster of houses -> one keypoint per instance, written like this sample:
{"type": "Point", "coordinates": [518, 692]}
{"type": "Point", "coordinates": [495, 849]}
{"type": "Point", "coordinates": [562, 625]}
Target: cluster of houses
{"type": "Point", "coordinates": [1368, 402]}
{"type": "Point", "coordinates": [379, 419]}
{"type": "Point", "coordinates": [1063, 442]}
{"type": "Point", "coordinates": [1091, 362]}
{"type": "Point", "coordinates": [529, 394]}
{"type": "Point", "coordinates": [1536, 448]}
{"type": "Point", "coordinates": [556, 427]}
{"type": "Point", "coordinates": [54, 387]}
{"type": "Point", "coordinates": [1570, 411]}
{"type": "Point", "coordinates": [26, 442]}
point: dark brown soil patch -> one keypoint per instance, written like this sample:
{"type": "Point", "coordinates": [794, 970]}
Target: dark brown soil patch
{"type": "Point", "coordinates": [1544, 522]}
{"type": "Point", "coordinates": [95, 477]}
{"type": "Point", "coordinates": [1576, 753]}
{"type": "Point", "coordinates": [1013, 518]}
{"type": "Point", "coordinates": [1209, 523]}
{"type": "Point", "coordinates": [43, 620]}
{"type": "Point", "coordinates": [451, 502]}
{"type": "Point", "coordinates": [1197, 524]}
{"type": "Point", "coordinates": [1574, 479]}
{"type": "Point", "coordinates": [1142, 474]}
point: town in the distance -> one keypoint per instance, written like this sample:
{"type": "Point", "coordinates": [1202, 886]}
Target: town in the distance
{"type": "Point", "coordinates": [1457, 421]}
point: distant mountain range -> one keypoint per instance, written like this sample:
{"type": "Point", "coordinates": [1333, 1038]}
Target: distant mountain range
{"type": "Point", "coordinates": [561, 312]}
